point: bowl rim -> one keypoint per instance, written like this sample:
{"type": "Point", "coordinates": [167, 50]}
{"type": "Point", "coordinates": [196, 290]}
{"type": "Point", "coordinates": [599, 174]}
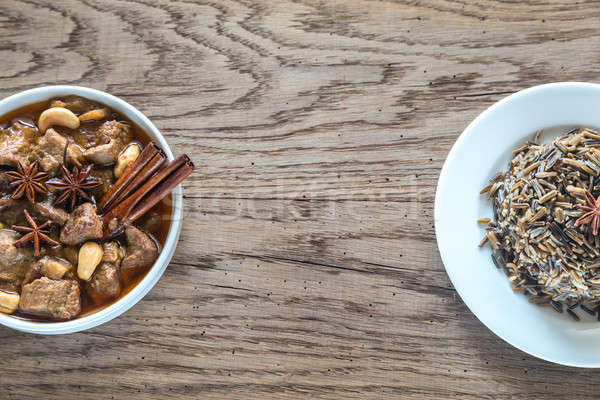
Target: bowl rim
{"type": "Point", "coordinates": [465, 135]}
{"type": "Point", "coordinates": [123, 304]}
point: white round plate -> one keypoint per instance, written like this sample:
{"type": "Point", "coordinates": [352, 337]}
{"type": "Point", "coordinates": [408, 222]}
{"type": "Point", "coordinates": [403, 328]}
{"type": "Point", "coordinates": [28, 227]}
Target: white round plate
{"type": "Point", "coordinates": [482, 150]}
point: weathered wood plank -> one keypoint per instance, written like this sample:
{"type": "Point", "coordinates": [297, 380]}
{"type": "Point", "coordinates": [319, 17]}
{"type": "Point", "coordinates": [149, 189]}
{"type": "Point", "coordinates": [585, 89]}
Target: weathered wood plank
{"type": "Point", "coordinates": [307, 265]}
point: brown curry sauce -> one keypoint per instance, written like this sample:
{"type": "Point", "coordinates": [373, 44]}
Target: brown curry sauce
{"type": "Point", "coordinates": [159, 231]}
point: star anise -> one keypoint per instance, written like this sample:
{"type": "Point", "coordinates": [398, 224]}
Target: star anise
{"type": "Point", "coordinates": [28, 181]}
{"type": "Point", "coordinates": [34, 233]}
{"type": "Point", "coordinates": [592, 216]}
{"type": "Point", "coordinates": [74, 184]}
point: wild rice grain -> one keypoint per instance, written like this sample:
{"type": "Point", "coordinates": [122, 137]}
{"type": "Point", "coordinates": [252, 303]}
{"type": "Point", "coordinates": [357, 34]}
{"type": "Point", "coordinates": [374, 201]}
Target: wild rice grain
{"type": "Point", "coordinates": [546, 174]}
{"type": "Point", "coordinates": [550, 195]}
{"type": "Point", "coordinates": [591, 134]}
{"type": "Point", "coordinates": [520, 149]}
{"type": "Point", "coordinates": [539, 214]}
{"type": "Point", "coordinates": [520, 205]}
{"type": "Point", "coordinates": [485, 189]}
{"type": "Point", "coordinates": [563, 204]}
{"type": "Point", "coordinates": [557, 306]}
{"type": "Point", "coordinates": [493, 239]}
{"type": "Point", "coordinates": [572, 314]}
{"type": "Point", "coordinates": [498, 259]}
{"type": "Point", "coordinates": [561, 147]}
{"type": "Point", "coordinates": [575, 190]}
{"type": "Point", "coordinates": [587, 310]}
{"type": "Point", "coordinates": [483, 241]}
{"type": "Point", "coordinates": [531, 167]}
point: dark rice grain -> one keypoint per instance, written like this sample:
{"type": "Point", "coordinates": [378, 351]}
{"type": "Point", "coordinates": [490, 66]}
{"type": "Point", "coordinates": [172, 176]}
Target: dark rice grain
{"type": "Point", "coordinates": [557, 306]}
{"type": "Point", "coordinates": [572, 314]}
{"type": "Point", "coordinates": [587, 310]}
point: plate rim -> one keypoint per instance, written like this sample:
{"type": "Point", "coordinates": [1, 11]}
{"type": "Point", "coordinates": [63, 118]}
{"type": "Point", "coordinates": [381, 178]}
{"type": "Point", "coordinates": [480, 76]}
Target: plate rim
{"type": "Point", "coordinates": [462, 138]}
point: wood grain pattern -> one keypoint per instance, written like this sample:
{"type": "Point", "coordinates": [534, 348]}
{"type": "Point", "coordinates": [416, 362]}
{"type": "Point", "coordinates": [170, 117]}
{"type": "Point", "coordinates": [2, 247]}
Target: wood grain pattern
{"type": "Point", "coordinates": [307, 267]}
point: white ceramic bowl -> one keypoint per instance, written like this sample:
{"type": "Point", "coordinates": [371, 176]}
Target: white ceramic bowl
{"type": "Point", "coordinates": [483, 149]}
{"type": "Point", "coordinates": [124, 303]}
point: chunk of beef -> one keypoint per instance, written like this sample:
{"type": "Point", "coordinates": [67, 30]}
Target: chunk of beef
{"type": "Point", "coordinates": [46, 210]}
{"type": "Point", "coordinates": [112, 253]}
{"type": "Point", "coordinates": [141, 248]}
{"type": "Point", "coordinates": [4, 183]}
{"type": "Point", "coordinates": [85, 136]}
{"type": "Point", "coordinates": [118, 136]}
{"type": "Point", "coordinates": [78, 105]}
{"type": "Point", "coordinates": [106, 282]}
{"type": "Point", "coordinates": [105, 175]}
{"type": "Point", "coordinates": [51, 267]}
{"type": "Point", "coordinates": [54, 268]}
{"type": "Point", "coordinates": [17, 143]}
{"type": "Point", "coordinates": [50, 151]}
{"type": "Point", "coordinates": [57, 299]}
{"type": "Point", "coordinates": [71, 253]}
{"type": "Point", "coordinates": [34, 272]}
{"type": "Point", "coordinates": [83, 224]}
{"type": "Point", "coordinates": [14, 261]}
{"type": "Point", "coordinates": [11, 211]}
{"type": "Point", "coordinates": [150, 222]}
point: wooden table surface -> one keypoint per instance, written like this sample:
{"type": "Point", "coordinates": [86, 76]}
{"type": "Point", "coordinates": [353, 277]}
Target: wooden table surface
{"type": "Point", "coordinates": [307, 266]}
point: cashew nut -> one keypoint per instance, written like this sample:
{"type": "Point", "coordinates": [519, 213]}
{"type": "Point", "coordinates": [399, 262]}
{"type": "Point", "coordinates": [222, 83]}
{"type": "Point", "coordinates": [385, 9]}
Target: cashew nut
{"type": "Point", "coordinates": [9, 302]}
{"type": "Point", "coordinates": [94, 115]}
{"type": "Point", "coordinates": [90, 255]}
{"type": "Point", "coordinates": [57, 116]}
{"type": "Point", "coordinates": [127, 156]}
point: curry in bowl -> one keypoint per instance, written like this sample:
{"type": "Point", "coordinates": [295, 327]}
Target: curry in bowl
{"type": "Point", "coordinates": [84, 207]}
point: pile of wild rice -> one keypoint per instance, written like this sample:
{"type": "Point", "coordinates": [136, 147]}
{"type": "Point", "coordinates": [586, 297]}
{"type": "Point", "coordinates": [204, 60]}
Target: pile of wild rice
{"type": "Point", "coordinates": [533, 236]}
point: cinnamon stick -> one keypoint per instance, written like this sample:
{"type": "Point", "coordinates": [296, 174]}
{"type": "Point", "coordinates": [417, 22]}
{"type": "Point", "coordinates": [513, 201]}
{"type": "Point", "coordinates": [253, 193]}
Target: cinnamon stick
{"type": "Point", "coordinates": [155, 189]}
{"type": "Point", "coordinates": [130, 173]}
{"type": "Point", "coordinates": [161, 190]}
{"type": "Point", "coordinates": [154, 165]}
